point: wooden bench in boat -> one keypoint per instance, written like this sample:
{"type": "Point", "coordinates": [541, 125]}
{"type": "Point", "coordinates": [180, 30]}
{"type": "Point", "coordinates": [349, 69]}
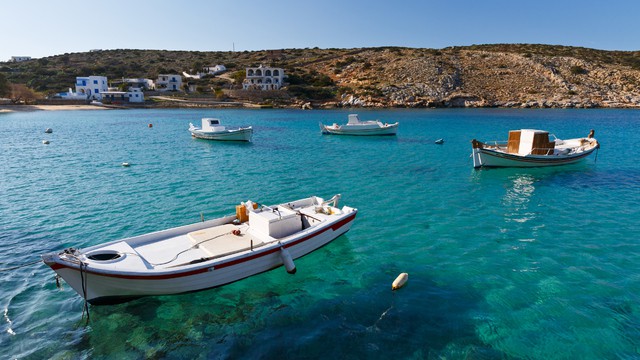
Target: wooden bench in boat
{"type": "Point", "coordinates": [220, 241]}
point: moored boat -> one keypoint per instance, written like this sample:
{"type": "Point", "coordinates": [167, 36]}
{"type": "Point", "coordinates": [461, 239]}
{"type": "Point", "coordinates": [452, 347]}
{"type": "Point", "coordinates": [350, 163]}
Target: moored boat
{"type": "Point", "coordinates": [202, 255]}
{"type": "Point", "coordinates": [212, 130]}
{"type": "Point", "coordinates": [362, 128]}
{"type": "Point", "coordinates": [532, 148]}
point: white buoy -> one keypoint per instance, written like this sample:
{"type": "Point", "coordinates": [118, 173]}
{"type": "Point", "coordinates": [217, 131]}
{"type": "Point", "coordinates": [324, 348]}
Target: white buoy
{"type": "Point", "coordinates": [400, 281]}
{"type": "Point", "coordinates": [48, 130]}
{"type": "Point", "coordinates": [46, 142]}
{"type": "Point", "coordinates": [125, 164]}
{"type": "Point", "coordinates": [287, 261]}
{"type": "Point", "coordinates": [440, 141]}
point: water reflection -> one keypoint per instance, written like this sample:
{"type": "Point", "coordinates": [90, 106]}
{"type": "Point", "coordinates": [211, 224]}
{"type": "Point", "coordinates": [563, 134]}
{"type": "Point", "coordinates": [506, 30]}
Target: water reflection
{"type": "Point", "coordinates": [517, 197]}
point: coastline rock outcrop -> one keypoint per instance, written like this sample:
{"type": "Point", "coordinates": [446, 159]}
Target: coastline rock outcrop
{"type": "Point", "coordinates": [461, 77]}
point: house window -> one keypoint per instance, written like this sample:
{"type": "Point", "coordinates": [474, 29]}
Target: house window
{"type": "Point", "coordinates": [95, 82]}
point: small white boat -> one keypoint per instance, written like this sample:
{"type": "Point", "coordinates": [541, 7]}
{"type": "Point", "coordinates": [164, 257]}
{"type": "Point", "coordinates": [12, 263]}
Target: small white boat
{"type": "Point", "coordinates": [202, 255]}
{"type": "Point", "coordinates": [212, 130]}
{"type": "Point", "coordinates": [531, 148]}
{"type": "Point", "coordinates": [356, 127]}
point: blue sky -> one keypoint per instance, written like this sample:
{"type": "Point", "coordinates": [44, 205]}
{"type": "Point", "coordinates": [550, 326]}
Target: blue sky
{"type": "Point", "coordinates": [40, 28]}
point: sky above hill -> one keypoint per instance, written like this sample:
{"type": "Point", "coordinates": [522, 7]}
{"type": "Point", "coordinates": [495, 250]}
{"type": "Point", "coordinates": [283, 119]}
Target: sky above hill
{"type": "Point", "coordinates": [40, 28]}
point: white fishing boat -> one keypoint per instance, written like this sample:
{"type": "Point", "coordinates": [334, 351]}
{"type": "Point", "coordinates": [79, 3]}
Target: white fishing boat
{"type": "Point", "coordinates": [356, 127]}
{"type": "Point", "coordinates": [532, 148]}
{"type": "Point", "coordinates": [202, 255]}
{"type": "Point", "coordinates": [212, 130]}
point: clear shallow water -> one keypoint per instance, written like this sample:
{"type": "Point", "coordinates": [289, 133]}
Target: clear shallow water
{"type": "Point", "coordinates": [502, 263]}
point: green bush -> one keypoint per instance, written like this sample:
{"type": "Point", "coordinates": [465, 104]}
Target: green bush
{"type": "Point", "coordinates": [311, 92]}
{"type": "Point", "coordinates": [577, 70]}
{"type": "Point", "coordinates": [5, 88]}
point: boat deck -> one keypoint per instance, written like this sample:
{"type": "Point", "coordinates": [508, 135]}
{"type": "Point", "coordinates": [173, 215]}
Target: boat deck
{"type": "Point", "coordinates": [217, 241]}
{"type": "Point", "coordinates": [220, 240]}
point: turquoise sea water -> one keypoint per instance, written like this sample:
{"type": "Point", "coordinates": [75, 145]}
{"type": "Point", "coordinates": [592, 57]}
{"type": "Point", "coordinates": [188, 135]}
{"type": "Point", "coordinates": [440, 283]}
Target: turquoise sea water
{"type": "Point", "coordinates": [503, 263]}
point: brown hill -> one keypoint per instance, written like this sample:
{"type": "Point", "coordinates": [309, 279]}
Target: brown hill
{"type": "Point", "coordinates": [516, 75]}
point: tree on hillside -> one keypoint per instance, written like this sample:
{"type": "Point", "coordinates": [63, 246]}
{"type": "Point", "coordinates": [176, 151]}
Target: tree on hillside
{"type": "Point", "coordinates": [20, 93]}
{"type": "Point", "coordinates": [5, 87]}
{"type": "Point", "coordinates": [238, 76]}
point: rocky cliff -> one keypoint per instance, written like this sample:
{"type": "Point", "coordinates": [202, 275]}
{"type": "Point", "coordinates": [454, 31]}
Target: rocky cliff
{"type": "Point", "coordinates": [484, 77]}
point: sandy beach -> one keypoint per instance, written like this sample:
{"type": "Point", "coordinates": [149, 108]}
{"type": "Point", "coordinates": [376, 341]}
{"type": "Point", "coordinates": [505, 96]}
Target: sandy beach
{"type": "Point", "coordinates": [12, 108]}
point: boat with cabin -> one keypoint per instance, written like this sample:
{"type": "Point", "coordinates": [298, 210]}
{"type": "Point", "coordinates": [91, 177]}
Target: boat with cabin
{"type": "Point", "coordinates": [362, 128]}
{"type": "Point", "coordinates": [211, 129]}
{"type": "Point", "coordinates": [532, 148]}
{"type": "Point", "coordinates": [203, 255]}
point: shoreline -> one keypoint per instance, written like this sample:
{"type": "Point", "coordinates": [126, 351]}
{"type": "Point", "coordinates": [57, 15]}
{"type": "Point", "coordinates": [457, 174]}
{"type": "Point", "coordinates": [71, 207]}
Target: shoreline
{"type": "Point", "coordinates": [24, 108]}
{"type": "Point", "coordinates": [188, 105]}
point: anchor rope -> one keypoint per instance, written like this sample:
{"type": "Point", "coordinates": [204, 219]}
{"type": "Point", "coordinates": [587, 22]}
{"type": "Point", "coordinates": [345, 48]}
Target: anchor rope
{"type": "Point", "coordinates": [83, 281]}
{"type": "Point", "coordinates": [20, 266]}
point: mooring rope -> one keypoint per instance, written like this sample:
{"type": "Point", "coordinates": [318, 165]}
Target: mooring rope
{"type": "Point", "coordinates": [20, 266]}
{"type": "Point", "coordinates": [83, 281]}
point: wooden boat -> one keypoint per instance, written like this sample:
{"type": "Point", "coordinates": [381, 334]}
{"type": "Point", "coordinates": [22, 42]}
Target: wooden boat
{"type": "Point", "coordinates": [532, 148]}
{"type": "Point", "coordinates": [362, 128]}
{"type": "Point", "coordinates": [202, 255]}
{"type": "Point", "coordinates": [212, 130]}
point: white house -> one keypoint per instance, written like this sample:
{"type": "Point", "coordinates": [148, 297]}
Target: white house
{"type": "Point", "coordinates": [189, 76]}
{"type": "Point", "coordinates": [19, 58]}
{"type": "Point", "coordinates": [263, 78]}
{"type": "Point", "coordinates": [92, 86]}
{"type": "Point", "coordinates": [169, 82]}
{"type": "Point", "coordinates": [139, 83]}
{"type": "Point", "coordinates": [214, 69]}
{"type": "Point", "coordinates": [70, 95]}
{"type": "Point", "coordinates": [134, 95]}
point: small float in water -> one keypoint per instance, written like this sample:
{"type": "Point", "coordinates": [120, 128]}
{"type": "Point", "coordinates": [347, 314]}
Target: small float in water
{"type": "Point", "coordinates": [125, 164]}
{"type": "Point", "coordinates": [400, 281]}
{"type": "Point", "coordinates": [46, 142]}
{"type": "Point", "coordinates": [48, 130]}
{"type": "Point", "coordinates": [440, 141]}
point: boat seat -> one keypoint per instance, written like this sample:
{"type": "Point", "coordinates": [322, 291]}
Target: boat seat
{"type": "Point", "coordinates": [220, 240]}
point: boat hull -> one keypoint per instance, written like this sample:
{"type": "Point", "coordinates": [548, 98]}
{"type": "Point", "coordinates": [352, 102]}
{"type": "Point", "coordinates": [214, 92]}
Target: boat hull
{"type": "Point", "coordinates": [242, 134]}
{"type": "Point", "coordinates": [357, 130]}
{"type": "Point", "coordinates": [99, 286]}
{"type": "Point", "coordinates": [492, 158]}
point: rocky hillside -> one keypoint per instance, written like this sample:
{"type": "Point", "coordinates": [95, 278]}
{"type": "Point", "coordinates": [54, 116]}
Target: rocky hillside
{"type": "Point", "coordinates": [487, 76]}
{"type": "Point", "coordinates": [517, 75]}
